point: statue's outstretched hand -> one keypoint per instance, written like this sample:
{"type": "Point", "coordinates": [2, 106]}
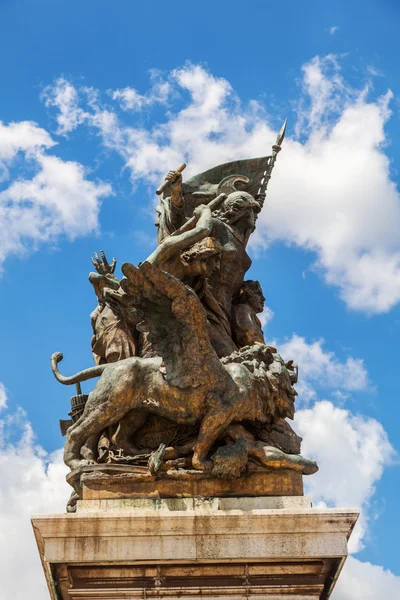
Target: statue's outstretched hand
{"type": "Point", "coordinates": [102, 265]}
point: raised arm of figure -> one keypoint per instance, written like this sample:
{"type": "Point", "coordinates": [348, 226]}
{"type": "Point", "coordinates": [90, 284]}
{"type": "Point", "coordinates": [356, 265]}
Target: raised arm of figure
{"type": "Point", "coordinates": [174, 178]}
{"type": "Point", "coordinates": [175, 243]}
{"type": "Point", "coordinates": [101, 264]}
{"type": "Point", "coordinates": [104, 278]}
{"type": "Point", "coordinates": [175, 184]}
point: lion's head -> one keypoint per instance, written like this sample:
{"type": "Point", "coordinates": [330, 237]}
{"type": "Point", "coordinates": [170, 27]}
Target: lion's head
{"type": "Point", "coordinates": [274, 377]}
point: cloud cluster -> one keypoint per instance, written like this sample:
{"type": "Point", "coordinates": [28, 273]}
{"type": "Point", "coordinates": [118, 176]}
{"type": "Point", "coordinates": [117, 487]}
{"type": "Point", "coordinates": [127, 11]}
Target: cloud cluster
{"type": "Point", "coordinates": [321, 369]}
{"type": "Point", "coordinates": [131, 100]}
{"type": "Point", "coordinates": [351, 451]}
{"type": "Point", "coordinates": [65, 97]}
{"type": "Point", "coordinates": [331, 193]}
{"type": "Point", "coordinates": [364, 581]}
{"type": "Point", "coordinates": [339, 200]}
{"type": "Point", "coordinates": [3, 397]}
{"type": "Point", "coordinates": [32, 481]}
{"type": "Point", "coordinates": [54, 199]}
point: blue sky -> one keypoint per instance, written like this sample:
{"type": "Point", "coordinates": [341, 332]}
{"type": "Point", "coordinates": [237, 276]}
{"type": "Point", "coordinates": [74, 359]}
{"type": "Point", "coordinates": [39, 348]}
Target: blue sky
{"type": "Point", "coordinates": [98, 101]}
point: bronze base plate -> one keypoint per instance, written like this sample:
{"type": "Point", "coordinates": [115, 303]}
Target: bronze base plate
{"type": "Point", "coordinates": [124, 481]}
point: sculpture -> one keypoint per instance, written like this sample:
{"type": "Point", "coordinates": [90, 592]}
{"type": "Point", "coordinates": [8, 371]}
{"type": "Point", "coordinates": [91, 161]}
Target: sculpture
{"type": "Point", "coordinates": [194, 385]}
{"type": "Point", "coordinates": [246, 305]}
{"type": "Point", "coordinates": [113, 331]}
{"type": "Point", "coordinates": [186, 379]}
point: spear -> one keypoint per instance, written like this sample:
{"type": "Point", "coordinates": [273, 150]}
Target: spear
{"type": "Point", "coordinates": [276, 148]}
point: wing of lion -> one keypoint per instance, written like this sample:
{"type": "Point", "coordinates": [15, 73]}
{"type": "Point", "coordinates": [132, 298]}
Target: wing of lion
{"type": "Point", "coordinates": [176, 323]}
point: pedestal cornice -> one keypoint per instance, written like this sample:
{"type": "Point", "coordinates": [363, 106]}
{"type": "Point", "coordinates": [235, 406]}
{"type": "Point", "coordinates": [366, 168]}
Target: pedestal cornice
{"type": "Point", "coordinates": [303, 548]}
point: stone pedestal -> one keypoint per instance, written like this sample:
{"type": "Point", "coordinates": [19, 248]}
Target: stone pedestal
{"type": "Point", "coordinates": [218, 548]}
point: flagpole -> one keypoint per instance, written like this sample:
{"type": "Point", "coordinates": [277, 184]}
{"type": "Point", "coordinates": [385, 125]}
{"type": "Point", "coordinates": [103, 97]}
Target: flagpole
{"type": "Point", "coordinates": [276, 148]}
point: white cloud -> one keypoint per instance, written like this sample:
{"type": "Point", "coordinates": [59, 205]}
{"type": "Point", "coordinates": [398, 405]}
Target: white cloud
{"type": "Point", "coordinates": [331, 192]}
{"type": "Point", "coordinates": [364, 581]}
{"type": "Point", "coordinates": [205, 130]}
{"type": "Point", "coordinates": [65, 97]}
{"type": "Point", "coordinates": [334, 29]}
{"type": "Point", "coordinates": [339, 199]}
{"type": "Point", "coordinates": [3, 396]}
{"type": "Point", "coordinates": [351, 451]}
{"type": "Point", "coordinates": [325, 94]}
{"type": "Point", "coordinates": [266, 316]}
{"type": "Point", "coordinates": [131, 100]}
{"type": "Point", "coordinates": [322, 369]}
{"type": "Point", "coordinates": [32, 481]}
{"type": "Point", "coordinates": [17, 138]}
{"type": "Point", "coordinates": [56, 201]}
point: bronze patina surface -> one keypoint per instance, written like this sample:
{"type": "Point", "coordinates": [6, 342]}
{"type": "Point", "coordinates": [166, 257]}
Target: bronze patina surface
{"type": "Point", "coordinates": [190, 400]}
{"type": "Point", "coordinates": [100, 482]}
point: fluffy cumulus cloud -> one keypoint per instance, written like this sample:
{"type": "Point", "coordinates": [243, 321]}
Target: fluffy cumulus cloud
{"type": "Point", "coordinates": [339, 199]}
{"type": "Point", "coordinates": [266, 316]}
{"type": "Point", "coordinates": [65, 97]}
{"type": "Point", "coordinates": [321, 369]}
{"type": "Point", "coordinates": [364, 581]}
{"type": "Point", "coordinates": [331, 193]}
{"type": "Point", "coordinates": [351, 450]}
{"type": "Point", "coordinates": [131, 100]}
{"type": "Point", "coordinates": [32, 481]}
{"type": "Point", "coordinates": [18, 138]}
{"type": "Point", "coordinates": [3, 396]}
{"type": "Point", "coordinates": [54, 198]}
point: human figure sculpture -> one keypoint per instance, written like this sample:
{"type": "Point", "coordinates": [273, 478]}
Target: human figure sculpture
{"type": "Point", "coordinates": [113, 329]}
{"type": "Point", "coordinates": [230, 225]}
{"type": "Point", "coordinates": [171, 210]}
{"type": "Point", "coordinates": [247, 304]}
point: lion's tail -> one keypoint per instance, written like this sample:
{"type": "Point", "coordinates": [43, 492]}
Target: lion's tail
{"type": "Point", "coordinates": [78, 377]}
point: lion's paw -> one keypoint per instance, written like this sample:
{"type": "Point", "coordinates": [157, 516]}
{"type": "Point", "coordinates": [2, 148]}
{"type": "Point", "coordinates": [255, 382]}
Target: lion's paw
{"type": "Point", "coordinates": [202, 464]}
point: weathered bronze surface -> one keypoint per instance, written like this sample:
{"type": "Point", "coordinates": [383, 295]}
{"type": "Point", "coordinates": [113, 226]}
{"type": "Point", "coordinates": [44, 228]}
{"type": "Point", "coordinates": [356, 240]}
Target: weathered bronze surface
{"type": "Point", "coordinates": [189, 394]}
{"type": "Point", "coordinates": [123, 481]}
